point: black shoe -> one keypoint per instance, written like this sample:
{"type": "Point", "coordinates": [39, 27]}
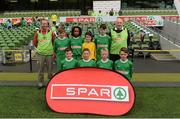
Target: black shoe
{"type": "Point", "coordinates": [40, 87]}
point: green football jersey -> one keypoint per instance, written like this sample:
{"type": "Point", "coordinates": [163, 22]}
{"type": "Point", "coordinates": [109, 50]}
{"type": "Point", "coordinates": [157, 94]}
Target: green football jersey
{"type": "Point", "coordinates": [23, 23]}
{"type": "Point", "coordinates": [76, 45]}
{"type": "Point", "coordinates": [86, 63]}
{"type": "Point", "coordinates": [108, 64]}
{"type": "Point", "coordinates": [60, 45]}
{"type": "Point", "coordinates": [101, 42]}
{"type": "Point", "coordinates": [125, 66]}
{"type": "Point", "coordinates": [68, 64]}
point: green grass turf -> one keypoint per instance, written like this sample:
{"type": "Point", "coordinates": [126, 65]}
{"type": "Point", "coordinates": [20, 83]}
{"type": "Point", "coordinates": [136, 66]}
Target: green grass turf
{"type": "Point", "coordinates": [30, 102]}
{"type": "Point", "coordinates": [138, 77]}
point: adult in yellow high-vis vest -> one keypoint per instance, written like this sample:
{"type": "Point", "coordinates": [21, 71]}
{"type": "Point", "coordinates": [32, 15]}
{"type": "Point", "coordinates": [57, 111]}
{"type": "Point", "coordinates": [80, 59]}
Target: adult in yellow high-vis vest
{"type": "Point", "coordinates": [43, 41]}
{"type": "Point", "coordinates": [119, 39]}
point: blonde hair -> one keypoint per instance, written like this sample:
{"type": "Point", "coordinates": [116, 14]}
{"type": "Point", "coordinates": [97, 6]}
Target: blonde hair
{"type": "Point", "coordinates": [104, 49]}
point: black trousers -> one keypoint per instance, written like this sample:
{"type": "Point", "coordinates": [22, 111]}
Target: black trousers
{"type": "Point", "coordinates": [114, 57]}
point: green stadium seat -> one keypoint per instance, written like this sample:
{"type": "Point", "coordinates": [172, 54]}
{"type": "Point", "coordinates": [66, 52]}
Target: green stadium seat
{"type": "Point", "coordinates": [146, 40]}
{"type": "Point", "coordinates": [9, 41]}
{"type": "Point", "coordinates": [1, 41]}
{"type": "Point", "coordinates": [3, 44]}
{"type": "Point", "coordinates": [155, 43]}
{"type": "Point", "coordinates": [138, 41]}
{"type": "Point", "coordinates": [5, 48]}
{"type": "Point", "coordinates": [11, 45]}
{"type": "Point", "coordinates": [135, 46]}
{"type": "Point", "coordinates": [144, 46]}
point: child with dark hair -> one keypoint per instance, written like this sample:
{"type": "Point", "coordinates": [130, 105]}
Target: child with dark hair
{"type": "Point", "coordinates": [123, 65]}
{"type": "Point", "coordinates": [69, 62]}
{"type": "Point", "coordinates": [23, 22]}
{"type": "Point", "coordinates": [89, 44]}
{"type": "Point", "coordinates": [102, 40]}
{"type": "Point", "coordinates": [76, 42]}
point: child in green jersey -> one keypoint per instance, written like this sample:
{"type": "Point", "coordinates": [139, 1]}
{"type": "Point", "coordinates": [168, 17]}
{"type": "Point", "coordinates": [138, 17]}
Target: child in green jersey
{"type": "Point", "coordinates": [123, 65]}
{"type": "Point", "coordinates": [60, 44]}
{"type": "Point", "coordinates": [105, 62]}
{"type": "Point", "coordinates": [86, 61]}
{"type": "Point", "coordinates": [76, 42]}
{"type": "Point", "coordinates": [69, 62]}
{"type": "Point", "coordinates": [102, 40]}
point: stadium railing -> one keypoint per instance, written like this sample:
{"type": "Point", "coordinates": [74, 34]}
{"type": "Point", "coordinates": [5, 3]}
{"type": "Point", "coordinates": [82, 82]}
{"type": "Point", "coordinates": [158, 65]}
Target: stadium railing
{"type": "Point", "coordinates": [145, 12]}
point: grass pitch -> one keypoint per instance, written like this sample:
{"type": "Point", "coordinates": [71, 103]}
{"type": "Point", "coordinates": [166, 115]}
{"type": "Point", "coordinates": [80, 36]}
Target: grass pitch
{"type": "Point", "coordinates": [137, 77]}
{"type": "Point", "coordinates": [30, 102]}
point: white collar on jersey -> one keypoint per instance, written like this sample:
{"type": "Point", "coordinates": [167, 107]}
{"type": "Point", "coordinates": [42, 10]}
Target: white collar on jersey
{"type": "Point", "coordinates": [61, 38]}
{"type": "Point", "coordinates": [76, 37]}
{"type": "Point", "coordinates": [104, 61]}
{"type": "Point", "coordinates": [68, 60]}
{"type": "Point", "coordinates": [123, 61]}
{"type": "Point", "coordinates": [86, 60]}
{"type": "Point", "coordinates": [102, 35]}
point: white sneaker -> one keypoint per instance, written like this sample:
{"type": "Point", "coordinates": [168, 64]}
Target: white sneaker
{"type": "Point", "coordinates": [40, 85]}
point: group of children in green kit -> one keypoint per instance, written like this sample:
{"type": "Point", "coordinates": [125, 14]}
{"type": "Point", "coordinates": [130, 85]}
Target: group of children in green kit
{"type": "Point", "coordinates": [74, 51]}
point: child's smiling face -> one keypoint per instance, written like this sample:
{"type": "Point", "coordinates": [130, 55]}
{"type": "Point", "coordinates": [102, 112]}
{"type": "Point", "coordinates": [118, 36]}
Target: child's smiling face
{"type": "Point", "coordinates": [88, 38]}
{"type": "Point", "coordinates": [102, 31]}
{"type": "Point", "coordinates": [69, 55]}
{"type": "Point", "coordinates": [76, 32]}
{"type": "Point", "coordinates": [86, 55]}
{"type": "Point", "coordinates": [104, 54]}
{"type": "Point", "coordinates": [123, 55]}
{"type": "Point", "coordinates": [62, 35]}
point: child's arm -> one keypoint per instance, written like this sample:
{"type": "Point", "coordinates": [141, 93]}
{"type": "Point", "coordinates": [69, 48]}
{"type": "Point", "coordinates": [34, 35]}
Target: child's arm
{"type": "Point", "coordinates": [94, 64]}
{"type": "Point", "coordinates": [109, 43]}
{"type": "Point", "coordinates": [82, 46]}
{"type": "Point", "coordinates": [122, 72]}
{"type": "Point", "coordinates": [95, 51]}
{"type": "Point", "coordinates": [76, 64]}
{"type": "Point", "coordinates": [61, 66]}
{"type": "Point", "coordinates": [69, 43]}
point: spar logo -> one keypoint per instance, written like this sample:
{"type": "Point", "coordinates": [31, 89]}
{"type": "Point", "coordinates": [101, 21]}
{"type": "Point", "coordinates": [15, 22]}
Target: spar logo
{"type": "Point", "coordinates": [120, 93]}
{"type": "Point", "coordinates": [99, 19]}
{"type": "Point", "coordinates": [90, 92]}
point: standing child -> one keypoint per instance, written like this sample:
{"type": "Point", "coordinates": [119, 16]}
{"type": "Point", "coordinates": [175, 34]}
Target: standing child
{"type": "Point", "coordinates": [69, 62]}
{"type": "Point", "coordinates": [76, 42]}
{"type": "Point", "coordinates": [105, 62]}
{"type": "Point", "coordinates": [89, 44]}
{"type": "Point", "coordinates": [102, 40]}
{"type": "Point", "coordinates": [123, 65]}
{"type": "Point", "coordinates": [60, 44]}
{"type": "Point", "coordinates": [86, 61]}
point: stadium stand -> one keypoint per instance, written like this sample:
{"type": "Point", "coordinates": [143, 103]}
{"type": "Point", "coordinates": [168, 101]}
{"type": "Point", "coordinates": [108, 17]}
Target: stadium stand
{"type": "Point", "coordinates": [40, 13]}
{"type": "Point", "coordinates": [16, 38]}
